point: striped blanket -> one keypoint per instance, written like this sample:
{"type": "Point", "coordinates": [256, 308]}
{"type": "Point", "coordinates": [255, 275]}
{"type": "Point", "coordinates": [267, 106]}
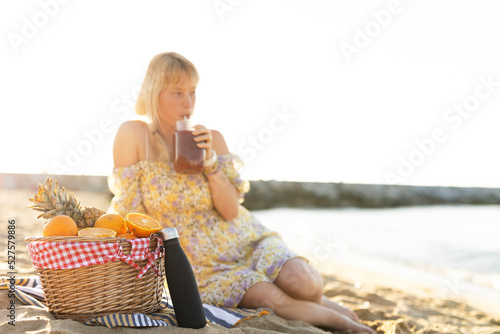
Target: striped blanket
{"type": "Point", "coordinates": [29, 291]}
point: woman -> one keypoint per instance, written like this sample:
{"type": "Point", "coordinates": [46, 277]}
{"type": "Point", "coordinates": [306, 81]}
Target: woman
{"type": "Point", "coordinates": [237, 261]}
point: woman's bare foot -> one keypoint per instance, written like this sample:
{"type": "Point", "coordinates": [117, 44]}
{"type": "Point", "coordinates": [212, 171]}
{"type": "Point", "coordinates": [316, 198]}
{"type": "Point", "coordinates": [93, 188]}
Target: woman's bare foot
{"type": "Point", "coordinates": [358, 327]}
{"type": "Point", "coordinates": [352, 317]}
{"type": "Point", "coordinates": [342, 310]}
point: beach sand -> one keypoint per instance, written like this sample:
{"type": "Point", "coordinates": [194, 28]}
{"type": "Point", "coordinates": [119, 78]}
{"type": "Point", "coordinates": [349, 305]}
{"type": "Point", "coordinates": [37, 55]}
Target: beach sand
{"type": "Point", "coordinates": [386, 305]}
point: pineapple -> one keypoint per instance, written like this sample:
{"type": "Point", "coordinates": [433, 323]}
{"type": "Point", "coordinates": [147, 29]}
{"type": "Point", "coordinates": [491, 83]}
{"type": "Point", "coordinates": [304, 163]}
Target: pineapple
{"type": "Point", "coordinates": [53, 200]}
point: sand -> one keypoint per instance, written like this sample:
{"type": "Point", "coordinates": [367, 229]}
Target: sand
{"type": "Point", "coordinates": [386, 305]}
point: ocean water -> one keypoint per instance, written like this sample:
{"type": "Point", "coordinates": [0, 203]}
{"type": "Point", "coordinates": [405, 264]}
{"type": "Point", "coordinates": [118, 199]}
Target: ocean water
{"type": "Point", "coordinates": [453, 249]}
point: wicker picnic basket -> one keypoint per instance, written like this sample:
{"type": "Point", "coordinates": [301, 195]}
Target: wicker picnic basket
{"type": "Point", "coordinates": [90, 291]}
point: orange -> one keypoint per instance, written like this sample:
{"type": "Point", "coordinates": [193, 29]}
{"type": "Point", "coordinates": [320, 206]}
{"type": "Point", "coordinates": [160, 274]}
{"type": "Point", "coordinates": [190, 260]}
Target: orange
{"type": "Point", "coordinates": [96, 232]}
{"type": "Point", "coordinates": [113, 222]}
{"type": "Point", "coordinates": [141, 225]}
{"type": "Point", "coordinates": [61, 225]}
{"type": "Point", "coordinates": [126, 236]}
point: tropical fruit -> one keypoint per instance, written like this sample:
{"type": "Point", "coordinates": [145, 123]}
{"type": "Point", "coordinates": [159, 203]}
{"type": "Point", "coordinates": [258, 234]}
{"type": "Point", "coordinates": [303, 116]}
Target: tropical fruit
{"type": "Point", "coordinates": [126, 236]}
{"type": "Point", "coordinates": [112, 221]}
{"type": "Point", "coordinates": [96, 232]}
{"type": "Point", "coordinates": [60, 226]}
{"type": "Point", "coordinates": [141, 225]}
{"type": "Point", "coordinates": [53, 200]}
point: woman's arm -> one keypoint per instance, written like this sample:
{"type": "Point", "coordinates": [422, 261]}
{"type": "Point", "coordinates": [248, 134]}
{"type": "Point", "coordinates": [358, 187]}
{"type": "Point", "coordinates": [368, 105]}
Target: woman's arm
{"type": "Point", "coordinates": [126, 145]}
{"type": "Point", "coordinates": [126, 151]}
{"type": "Point", "coordinates": [224, 194]}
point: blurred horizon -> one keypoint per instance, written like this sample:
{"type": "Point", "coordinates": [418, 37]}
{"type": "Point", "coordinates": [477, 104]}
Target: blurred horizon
{"type": "Point", "coordinates": [365, 92]}
{"type": "Point", "coordinates": [28, 177]}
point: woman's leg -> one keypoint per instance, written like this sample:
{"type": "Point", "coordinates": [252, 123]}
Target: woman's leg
{"type": "Point", "coordinates": [301, 281]}
{"type": "Point", "coordinates": [269, 295]}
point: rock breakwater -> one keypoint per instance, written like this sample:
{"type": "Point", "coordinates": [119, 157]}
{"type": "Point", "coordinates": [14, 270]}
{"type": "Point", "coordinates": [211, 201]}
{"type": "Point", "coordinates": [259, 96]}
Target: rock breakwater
{"type": "Point", "coordinates": [271, 194]}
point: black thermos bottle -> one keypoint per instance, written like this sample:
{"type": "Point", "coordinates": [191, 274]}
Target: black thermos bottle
{"type": "Point", "coordinates": [182, 283]}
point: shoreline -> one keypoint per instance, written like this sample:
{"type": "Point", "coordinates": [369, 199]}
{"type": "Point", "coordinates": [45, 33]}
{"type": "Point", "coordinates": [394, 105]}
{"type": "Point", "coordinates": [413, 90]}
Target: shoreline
{"type": "Point", "coordinates": [414, 281]}
{"type": "Point", "coordinates": [330, 245]}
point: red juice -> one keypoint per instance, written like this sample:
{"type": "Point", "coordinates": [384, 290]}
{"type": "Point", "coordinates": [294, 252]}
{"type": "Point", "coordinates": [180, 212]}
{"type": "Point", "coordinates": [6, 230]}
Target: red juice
{"type": "Point", "coordinates": [189, 157]}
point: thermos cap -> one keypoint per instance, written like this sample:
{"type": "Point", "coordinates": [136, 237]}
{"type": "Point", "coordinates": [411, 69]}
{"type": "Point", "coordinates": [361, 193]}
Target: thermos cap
{"type": "Point", "coordinates": [170, 233]}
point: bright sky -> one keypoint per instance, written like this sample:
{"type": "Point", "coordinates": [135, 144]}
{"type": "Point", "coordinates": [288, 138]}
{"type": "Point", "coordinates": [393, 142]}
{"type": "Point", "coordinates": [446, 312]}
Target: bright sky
{"type": "Point", "coordinates": [390, 91]}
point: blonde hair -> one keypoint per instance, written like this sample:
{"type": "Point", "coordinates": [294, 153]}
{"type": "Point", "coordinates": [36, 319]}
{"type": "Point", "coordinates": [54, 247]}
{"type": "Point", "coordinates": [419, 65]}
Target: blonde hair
{"type": "Point", "coordinates": [164, 71]}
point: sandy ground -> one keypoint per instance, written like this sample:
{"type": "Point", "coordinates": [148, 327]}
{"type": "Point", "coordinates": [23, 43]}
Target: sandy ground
{"type": "Point", "coordinates": [382, 305]}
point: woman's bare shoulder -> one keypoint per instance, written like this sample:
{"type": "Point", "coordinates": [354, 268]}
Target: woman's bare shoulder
{"type": "Point", "coordinates": [219, 143]}
{"type": "Point", "coordinates": [133, 126]}
{"type": "Point", "coordinates": [127, 144]}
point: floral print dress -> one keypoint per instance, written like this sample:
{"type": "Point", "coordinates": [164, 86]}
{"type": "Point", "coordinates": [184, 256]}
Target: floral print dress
{"type": "Point", "coordinates": [228, 257]}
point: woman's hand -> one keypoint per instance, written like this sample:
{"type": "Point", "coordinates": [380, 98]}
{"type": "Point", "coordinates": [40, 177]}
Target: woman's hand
{"type": "Point", "coordinates": [203, 138]}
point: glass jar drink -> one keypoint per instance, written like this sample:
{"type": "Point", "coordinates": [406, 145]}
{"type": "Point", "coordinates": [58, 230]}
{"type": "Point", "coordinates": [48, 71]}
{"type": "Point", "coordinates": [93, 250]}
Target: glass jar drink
{"type": "Point", "coordinates": [189, 157]}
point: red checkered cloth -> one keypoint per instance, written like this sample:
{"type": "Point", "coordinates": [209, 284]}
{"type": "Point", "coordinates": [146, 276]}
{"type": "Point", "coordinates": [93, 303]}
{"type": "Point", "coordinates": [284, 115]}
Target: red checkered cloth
{"type": "Point", "coordinates": [75, 254]}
